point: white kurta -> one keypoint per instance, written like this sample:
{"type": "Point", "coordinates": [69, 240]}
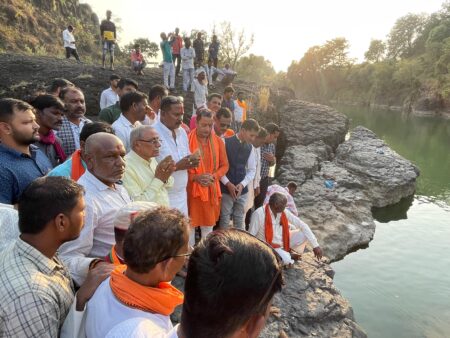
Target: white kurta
{"type": "Point", "coordinates": [177, 148]}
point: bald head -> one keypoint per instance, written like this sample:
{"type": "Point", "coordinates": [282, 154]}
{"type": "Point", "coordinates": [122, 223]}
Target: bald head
{"type": "Point", "coordinates": [104, 154]}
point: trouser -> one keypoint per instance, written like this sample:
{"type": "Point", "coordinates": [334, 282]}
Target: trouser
{"type": "Point", "coordinates": [169, 71]}
{"type": "Point", "coordinates": [232, 209]}
{"type": "Point", "coordinates": [72, 51]}
{"type": "Point", "coordinates": [108, 46]}
{"type": "Point", "coordinates": [138, 66]}
{"type": "Point", "coordinates": [204, 230]}
{"type": "Point", "coordinates": [177, 58]}
{"type": "Point", "coordinates": [297, 242]}
{"type": "Point", "coordinates": [188, 78]}
{"type": "Point", "coordinates": [263, 185]}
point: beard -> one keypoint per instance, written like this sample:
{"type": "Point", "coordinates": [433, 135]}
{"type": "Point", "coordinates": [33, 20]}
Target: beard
{"type": "Point", "coordinates": [25, 139]}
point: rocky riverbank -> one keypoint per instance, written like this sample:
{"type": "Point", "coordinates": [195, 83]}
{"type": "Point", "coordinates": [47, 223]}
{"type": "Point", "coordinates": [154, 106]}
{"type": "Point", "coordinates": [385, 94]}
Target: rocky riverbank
{"type": "Point", "coordinates": [363, 172]}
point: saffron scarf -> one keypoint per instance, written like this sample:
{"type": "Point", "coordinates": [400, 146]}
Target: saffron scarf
{"type": "Point", "coordinates": [243, 105]}
{"type": "Point", "coordinates": [214, 189]}
{"type": "Point", "coordinates": [113, 258]}
{"type": "Point", "coordinates": [269, 230]}
{"type": "Point", "coordinates": [50, 138]}
{"type": "Point", "coordinates": [161, 300]}
{"type": "Point", "coordinates": [77, 165]}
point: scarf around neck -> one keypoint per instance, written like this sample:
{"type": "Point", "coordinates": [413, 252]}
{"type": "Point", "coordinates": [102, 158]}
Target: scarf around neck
{"type": "Point", "coordinates": [50, 139]}
{"type": "Point", "coordinates": [269, 229]}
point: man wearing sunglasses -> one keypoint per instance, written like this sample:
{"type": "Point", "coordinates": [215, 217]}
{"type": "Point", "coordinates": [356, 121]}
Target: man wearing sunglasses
{"type": "Point", "coordinates": [286, 233]}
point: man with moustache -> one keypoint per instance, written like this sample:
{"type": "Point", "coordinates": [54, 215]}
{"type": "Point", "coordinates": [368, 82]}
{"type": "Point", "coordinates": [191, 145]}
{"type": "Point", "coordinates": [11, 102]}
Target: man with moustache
{"type": "Point", "coordinates": [49, 114]}
{"type": "Point", "coordinates": [73, 120]}
{"type": "Point", "coordinates": [222, 123]}
{"type": "Point", "coordinates": [104, 156]}
{"type": "Point", "coordinates": [175, 143]}
{"type": "Point", "coordinates": [109, 96]}
{"type": "Point", "coordinates": [20, 160]}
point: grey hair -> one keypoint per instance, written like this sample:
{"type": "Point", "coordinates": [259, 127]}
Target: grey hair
{"type": "Point", "coordinates": [277, 198]}
{"type": "Point", "coordinates": [137, 132]}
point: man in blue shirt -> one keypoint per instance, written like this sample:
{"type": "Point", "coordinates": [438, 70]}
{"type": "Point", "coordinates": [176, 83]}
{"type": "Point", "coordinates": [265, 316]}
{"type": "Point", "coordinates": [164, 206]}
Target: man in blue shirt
{"type": "Point", "coordinates": [20, 161]}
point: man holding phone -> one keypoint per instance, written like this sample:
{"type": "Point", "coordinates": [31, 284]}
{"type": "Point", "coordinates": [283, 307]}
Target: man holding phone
{"type": "Point", "coordinates": [144, 178]}
{"type": "Point", "coordinates": [175, 143]}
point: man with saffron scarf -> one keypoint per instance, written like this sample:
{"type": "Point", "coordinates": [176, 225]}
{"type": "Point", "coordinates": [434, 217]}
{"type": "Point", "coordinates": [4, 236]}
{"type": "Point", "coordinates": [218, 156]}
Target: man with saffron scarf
{"type": "Point", "coordinates": [285, 232]}
{"type": "Point", "coordinates": [49, 115]}
{"type": "Point", "coordinates": [155, 248]}
{"type": "Point", "coordinates": [204, 195]}
{"type": "Point", "coordinates": [122, 222]}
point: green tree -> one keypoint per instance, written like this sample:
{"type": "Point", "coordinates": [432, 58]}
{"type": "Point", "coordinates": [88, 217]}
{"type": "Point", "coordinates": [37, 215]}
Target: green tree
{"type": "Point", "coordinates": [376, 51]}
{"type": "Point", "coordinates": [403, 34]}
{"type": "Point", "coordinates": [255, 68]}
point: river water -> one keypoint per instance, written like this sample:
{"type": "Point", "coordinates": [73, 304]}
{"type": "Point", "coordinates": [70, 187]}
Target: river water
{"type": "Point", "coordinates": [400, 285]}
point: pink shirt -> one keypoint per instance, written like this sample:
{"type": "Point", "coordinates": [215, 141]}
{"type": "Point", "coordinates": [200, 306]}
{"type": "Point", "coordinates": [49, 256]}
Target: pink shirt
{"type": "Point", "coordinates": [135, 56]}
{"type": "Point", "coordinates": [177, 44]}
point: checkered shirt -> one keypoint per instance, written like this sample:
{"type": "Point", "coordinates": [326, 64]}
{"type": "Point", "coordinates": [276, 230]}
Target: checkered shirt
{"type": "Point", "coordinates": [265, 167]}
{"type": "Point", "coordinates": [36, 293]}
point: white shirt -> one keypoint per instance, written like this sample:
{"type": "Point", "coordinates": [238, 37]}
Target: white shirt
{"type": "Point", "coordinates": [178, 149]}
{"type": "Point", "coordinates": [9, 225]}
{"type": "Point", "coordinates": [108, 98]}
{"type": "Point", "coordinates": [140, 328]}
{"type": "Point", "coordinates": [238, 112]}
{"type": "Point", "coordinates": [257, 226]}
{"type": "Point", "coordinates": [69, 40]}
{"type": "Point", "coordinates": [104, 311]}
{"type": "Point", "coordinates": [250, 170]}
{"type": "Point", "coordinates": [255, 183]}
{"type": "Point", "coordinates": [122, 129]}
{"type": "Point", "coordinates": [97, 236]}
{"type": "Point", "coordinates": [76, 130]}
{"type": "Point", "coordinates": [187, 57]}
{"type": "Point", "coordinates": [200, 93]}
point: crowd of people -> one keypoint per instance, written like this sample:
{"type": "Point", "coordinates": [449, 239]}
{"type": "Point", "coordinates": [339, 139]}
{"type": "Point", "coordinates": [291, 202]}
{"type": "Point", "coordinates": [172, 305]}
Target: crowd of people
{"type": "Point", "coordinates": [98, 217]}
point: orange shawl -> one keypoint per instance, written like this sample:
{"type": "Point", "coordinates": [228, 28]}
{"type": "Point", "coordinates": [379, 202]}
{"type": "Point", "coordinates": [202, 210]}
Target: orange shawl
{"type": "Point", "coordinates": [113, 258]}
{"type": "Point", "coordinates": [77, 165]}
{"type": "Point", "coordinates": [269, 230]}
{"type": "Point", "coordinates": [161, 300]}
{"type": "Point", "coordinates": [228, 133]}
{"type": "Point", "coordinates": [213, 166]}
{"type": "Point", "coordinates": [243, 105]}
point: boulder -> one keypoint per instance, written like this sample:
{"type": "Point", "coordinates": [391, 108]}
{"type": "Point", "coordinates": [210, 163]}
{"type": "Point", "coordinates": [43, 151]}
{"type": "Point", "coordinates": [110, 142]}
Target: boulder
{"type": "Point", "coordinates": [387, 177]}
{"type": "Point", "coordinates": [304, 123]}
{"type": "Point", "coordinates": [310, 305]}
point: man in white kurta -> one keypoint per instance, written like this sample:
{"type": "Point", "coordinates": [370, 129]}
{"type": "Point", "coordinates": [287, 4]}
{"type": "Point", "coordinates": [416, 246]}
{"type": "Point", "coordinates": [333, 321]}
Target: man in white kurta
{"type": "Point", "coordinates": [299, 231]}
{"type": "Point", "coordinates": [175, 144]}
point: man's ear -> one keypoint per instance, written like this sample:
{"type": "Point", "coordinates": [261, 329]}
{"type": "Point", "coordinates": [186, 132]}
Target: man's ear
{"type": "Point", "coordinates": [61, 222]}
{"type": "Point", "coordinates": [255, 325]}
{"type": "Point", "coordinates": [5, 128]}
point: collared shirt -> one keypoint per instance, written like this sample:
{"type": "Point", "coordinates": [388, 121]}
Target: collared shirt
{"type": "Point", "coordinates": [18, 170]}
{"type": "Point", "coordinates": [141, 183]}
{"type": "Point", "coordinates": [166, 48]}
{"type": "Point", "coordinates": [97, 235]}
{"type": "Point", "coordinates": [122, 128]}
{"type": "Point", "coordinates": [69, 133]}
{"type": "Point", "coordinates": [36, 293]}
{"type": "Point", "coordinates": [110, 114]}
{"type": "Point", "coordinates": [265, 165]}
{"type": "Point", "coordinates": [50, 151]}
{"type": "Point", "coordinates": [69, 40]}
{"type": "Point", "coordinates": [64, 169]}
{"type": "Point", "coordinates": [257, 226]}
{"type": "Point", "coordinates": [250, 169]}
{"type": "Point", "coordinates": [108, 98]}
{"type": "Point", "coordinates": [187, 57]}
{"type": "Point", "coordinates": [9, 225]}
{"type": "Point", "coordinates": [200, 93]}
{"type": "Point", "coordinates": [178, 149]}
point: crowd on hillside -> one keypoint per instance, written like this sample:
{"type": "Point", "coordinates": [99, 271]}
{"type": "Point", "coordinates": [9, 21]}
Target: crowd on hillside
{"type": "Point", "coordinates": [97, 217]}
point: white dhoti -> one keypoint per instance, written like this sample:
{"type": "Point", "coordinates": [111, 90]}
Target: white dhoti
{"type": "Point", "coordinates": [297, 242]}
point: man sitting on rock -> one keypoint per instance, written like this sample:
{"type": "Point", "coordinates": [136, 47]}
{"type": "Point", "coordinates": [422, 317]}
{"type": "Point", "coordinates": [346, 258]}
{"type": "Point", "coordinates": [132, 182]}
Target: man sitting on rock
{"type": "Point", "coordinates": [286, 233]}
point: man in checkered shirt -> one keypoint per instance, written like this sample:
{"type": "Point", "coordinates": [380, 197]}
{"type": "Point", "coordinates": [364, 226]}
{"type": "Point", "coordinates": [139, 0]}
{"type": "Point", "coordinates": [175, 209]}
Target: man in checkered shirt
{"type": "Point", "coordinates": [36, 289]}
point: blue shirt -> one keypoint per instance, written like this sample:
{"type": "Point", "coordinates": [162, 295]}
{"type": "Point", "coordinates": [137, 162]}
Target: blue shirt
{"type": "Point", "coordinates": [64, 169]}
{"type": "Point", "coordinates": [18, 170]}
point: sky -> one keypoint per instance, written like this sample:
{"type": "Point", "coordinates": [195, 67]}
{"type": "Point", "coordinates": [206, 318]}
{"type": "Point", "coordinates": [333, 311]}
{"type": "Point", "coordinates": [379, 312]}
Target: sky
{"type": "Point", "coordinates": [283, 33]}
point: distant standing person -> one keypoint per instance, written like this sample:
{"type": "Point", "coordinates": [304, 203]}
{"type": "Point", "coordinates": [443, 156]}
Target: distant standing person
{"type": "Point", "coordinates": [168, 67]}
{"type": "Point", "coordinates": [188, 57]}
{"type": "Point", "coordinates": [109, 96]}
{"type": "Point", "coordinates": [177, 44]}
{"type": "Point", "coordinates": [69, 43]}
{"type": "Point", "coordinates": [199, 47]}
{"type": "Point", "coordinates": [108, 35]}
{"type": "Point", "coordinates": [214, 51]}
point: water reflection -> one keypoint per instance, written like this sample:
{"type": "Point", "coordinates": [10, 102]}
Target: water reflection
{"type": "Point", "coordinates": [393, 212]}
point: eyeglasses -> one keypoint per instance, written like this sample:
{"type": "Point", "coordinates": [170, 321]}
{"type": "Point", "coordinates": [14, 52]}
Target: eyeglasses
{"type": "Point", "coordinates": [153, 141]}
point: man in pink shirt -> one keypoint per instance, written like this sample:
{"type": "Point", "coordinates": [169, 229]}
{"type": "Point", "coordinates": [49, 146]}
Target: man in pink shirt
{"type": "Point", "coordinates": [137, 60]}
{"type": "Point", "coordinates": [177, 44]}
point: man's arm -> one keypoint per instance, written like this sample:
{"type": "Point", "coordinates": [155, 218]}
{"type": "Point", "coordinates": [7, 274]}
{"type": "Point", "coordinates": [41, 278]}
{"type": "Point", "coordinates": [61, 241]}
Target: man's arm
{"type": "Point", "coordinates": [256, 221]}
{"type": "Point", "coordinates": [299, 224]}
{"type": "Point", "coordinates": [9, 189]}
{"type": "Point", "coordinates": [250, 170]}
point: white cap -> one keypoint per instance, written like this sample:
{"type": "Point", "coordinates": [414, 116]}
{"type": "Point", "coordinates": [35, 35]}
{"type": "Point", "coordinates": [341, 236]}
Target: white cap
{"type": "Point", "coordinates": [127, 213]}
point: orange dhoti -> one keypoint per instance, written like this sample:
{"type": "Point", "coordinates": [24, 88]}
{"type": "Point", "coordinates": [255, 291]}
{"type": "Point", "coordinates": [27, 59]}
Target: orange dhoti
{"type": "Point", "coordinates": [204, 202]}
